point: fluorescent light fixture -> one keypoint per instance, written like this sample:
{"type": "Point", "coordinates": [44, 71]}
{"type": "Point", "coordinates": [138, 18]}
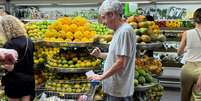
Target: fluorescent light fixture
{"type": "Point", "coordinates": [78, 4]}
{"type": "Point", "coordinates": [140, 2]}
{"type": "Point", "coordinates": [48, 4]}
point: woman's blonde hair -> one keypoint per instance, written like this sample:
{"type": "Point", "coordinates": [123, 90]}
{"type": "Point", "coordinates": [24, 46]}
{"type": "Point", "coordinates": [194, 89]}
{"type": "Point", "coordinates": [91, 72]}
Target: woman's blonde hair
{"type": "Point", "coordinates": [12, 27]}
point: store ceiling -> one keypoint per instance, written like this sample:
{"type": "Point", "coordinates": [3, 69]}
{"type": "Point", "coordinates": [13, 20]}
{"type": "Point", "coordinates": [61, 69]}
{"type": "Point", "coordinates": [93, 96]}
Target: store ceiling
{"type": "Point", "coordinates": [54, 1]}
{"type": "Point", "coordinates": [92, 1]}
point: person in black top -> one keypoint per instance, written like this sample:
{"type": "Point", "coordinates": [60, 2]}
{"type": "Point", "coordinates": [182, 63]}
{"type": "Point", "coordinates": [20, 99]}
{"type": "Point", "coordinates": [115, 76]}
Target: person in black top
{"type": "Point", "coordinates": [19, 81]}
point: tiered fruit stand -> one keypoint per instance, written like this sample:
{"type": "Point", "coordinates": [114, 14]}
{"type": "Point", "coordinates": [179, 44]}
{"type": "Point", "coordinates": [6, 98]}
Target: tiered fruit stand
{"type": "Point", "coordinates": [148, 38]}
{"type": "Point", "coordinates": [65, 87]}
{"type": "Point", "coordinates": [146, 69]}
{"type": "Point", "coordinates": [65, 51]}
{"type": "Point", "coordinates": [61, 56]}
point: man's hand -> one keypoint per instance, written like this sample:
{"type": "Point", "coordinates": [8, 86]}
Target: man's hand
{"type": "Point", "coordinates": [96, 52]}
{"type": "Point", "coordinates": [96, 77]}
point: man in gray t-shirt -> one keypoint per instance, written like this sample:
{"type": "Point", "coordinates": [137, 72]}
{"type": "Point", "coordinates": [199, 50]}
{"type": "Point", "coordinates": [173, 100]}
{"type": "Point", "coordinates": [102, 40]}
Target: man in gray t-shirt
{"type": "Point", "coordinates": [118, 75]}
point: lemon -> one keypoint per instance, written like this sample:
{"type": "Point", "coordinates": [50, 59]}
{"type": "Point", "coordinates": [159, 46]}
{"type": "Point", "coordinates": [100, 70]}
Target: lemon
{"type": "Point", "coordinates": [81, 29]}
{"type": "Point", "coordinates": [77, 66]}
{"type": "Point", "coordinates": [75, 59]}
{"type": "Point", "coordinates": [93, 64]}
{"type": "Point", "coordinates": [73, 27]}
{"type": "Point", "coordinates": [41, 60]}
{"type": "Point", "coordinates": [68, 40]}
{"type": "Point", "coordinates": [88, 64]}
{"type": "Point", "coordinates": [36, 61]}
{"type": "Point", "coordinates": [78, 35]}
{"type": "Point", "coordinates": [82, 64]}
{"type": "Point", "coordinates": [84, 39]}
{"type": "Point", "coordinates": [79, 61]}
{"type": "Point", "coordinates": [76, 40]}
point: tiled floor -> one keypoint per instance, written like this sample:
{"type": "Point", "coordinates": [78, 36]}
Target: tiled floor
{"type": "Point", "coordinates": [171, 94]}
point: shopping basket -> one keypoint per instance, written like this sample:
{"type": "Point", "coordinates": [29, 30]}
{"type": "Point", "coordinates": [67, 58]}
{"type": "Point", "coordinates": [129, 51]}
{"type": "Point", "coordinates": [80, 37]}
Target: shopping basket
{"type": "Point", "coordinates": [66, 93]}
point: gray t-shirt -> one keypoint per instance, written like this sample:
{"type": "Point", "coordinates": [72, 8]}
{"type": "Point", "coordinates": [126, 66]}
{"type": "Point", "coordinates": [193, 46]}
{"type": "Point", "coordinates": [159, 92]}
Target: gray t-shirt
{"type": "Point", "coordinates": [123, 44]}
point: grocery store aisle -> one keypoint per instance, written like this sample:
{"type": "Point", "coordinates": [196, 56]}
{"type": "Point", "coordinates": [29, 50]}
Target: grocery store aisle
{"type": "Point", "coordinates": [171, 94]}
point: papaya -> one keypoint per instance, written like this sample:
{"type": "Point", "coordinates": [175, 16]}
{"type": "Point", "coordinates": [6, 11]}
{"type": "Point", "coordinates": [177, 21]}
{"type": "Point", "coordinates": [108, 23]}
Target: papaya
{"type": "Point", "coordinates": [136, 82]}
{"type": "Point", "coordinates": [137, 31]}
{"type": "Point", "coordinates": [136, 74]}
{"type": "Point", "coordinates": [141, 72]}
{"type": "Point", "coordinates": [148, 78]}
{"type": "Point", "coordinates": [141, 80]}
{"type": "Point", "coordinates": [143, 30]}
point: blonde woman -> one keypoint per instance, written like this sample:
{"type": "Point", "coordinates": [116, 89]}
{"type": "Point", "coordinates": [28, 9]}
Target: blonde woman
{"type": "Point", "coordinates": [18, 81]}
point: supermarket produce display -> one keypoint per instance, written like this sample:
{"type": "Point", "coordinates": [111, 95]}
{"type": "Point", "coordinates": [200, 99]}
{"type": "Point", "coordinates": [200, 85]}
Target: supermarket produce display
{"type": "Point", "coordinates": [145, 70]}
{"type": "Point", "coordinates": [40, 54]}
{"type": "Point", "coordinates": [104, 34]}
{"type": "Point", "coordinates": [75, 58]}
{"type": "Point", "coordinates": [63, 44]}
{"type": "Point", "coordinates": [36, 30]}
{"type": "Point", "coordinates": [66, 59]}
{"type": "Point", "coordinates": [68, 29]}
{"type": "Point", "coordinates": [147, 31]}
{"type": "Point", "coordinates": [63, 56]}
{"type": "Point", "coordinates": [64, 77]}
{"type": "Point", "coordinates": [149, 37]}
{"type": "Point", "coordinates": [39, 78]}
{"type": "Point", "coordinates": [175, 24]}
{"type": "Point", "coordinates": [68, 87]}
{"type": "Point", "coordinates": [150, 64]}
{"type": "Point", "coordinates": [142, 78]}
{"type": "Point", "coordinates": [156, 92]}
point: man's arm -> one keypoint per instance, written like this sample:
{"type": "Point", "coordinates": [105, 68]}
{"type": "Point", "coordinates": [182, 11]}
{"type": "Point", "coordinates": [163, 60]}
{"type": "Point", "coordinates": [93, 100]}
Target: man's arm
{"type": "Point", "coordinates": [117, 67]}
{"type": "Point", "coordinates": [97, 53]}
{"type": "Point", "coordinates": [102, 55]}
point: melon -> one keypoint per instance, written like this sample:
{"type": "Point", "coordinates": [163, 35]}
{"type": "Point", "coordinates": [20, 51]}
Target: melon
{"type": "Point", "coordinates": [141, 80]}
{"type": "Point", "coordinates": [154, 37]}
{"type": "Point", "coordinates": [143, 30]}
{"type": "Point", "coordinates": [137, 31]}
{"type": "Point", "coordinates": [138, 39]}
{"type": "Point", "coordinates": [145, 38]}
{"type": "Point", "coordinates": [161, 38]}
